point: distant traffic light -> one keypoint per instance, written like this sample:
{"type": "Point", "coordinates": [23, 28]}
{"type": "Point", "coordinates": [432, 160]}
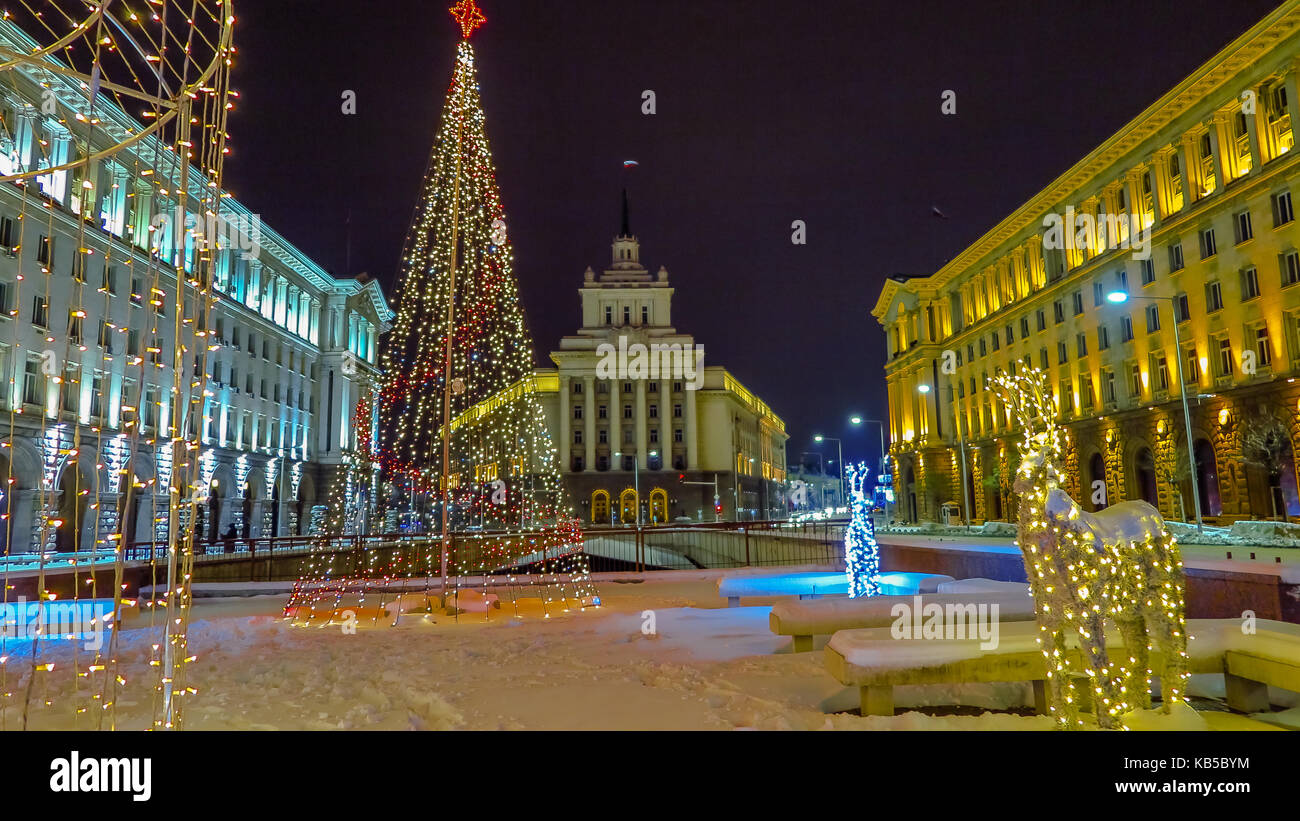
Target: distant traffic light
{"type": "Point", "coordinates": [717, 507]}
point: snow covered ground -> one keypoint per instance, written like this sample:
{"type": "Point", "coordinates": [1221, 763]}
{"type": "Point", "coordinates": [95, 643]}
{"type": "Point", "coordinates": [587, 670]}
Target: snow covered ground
{"type": "Point", "coordinates": [703, 666]}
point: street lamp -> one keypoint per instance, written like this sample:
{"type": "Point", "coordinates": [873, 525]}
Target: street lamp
{"type": "Point", "coordinates": [1120, 297]}
{"type": "Point", "coordinates": [961, 439]}
{"type": "Point", "coordinates": [858, 420]}
{"type": "Point", "coordinates": [636, 480]}
{"type": "Point", "coordinates": [839, 447]}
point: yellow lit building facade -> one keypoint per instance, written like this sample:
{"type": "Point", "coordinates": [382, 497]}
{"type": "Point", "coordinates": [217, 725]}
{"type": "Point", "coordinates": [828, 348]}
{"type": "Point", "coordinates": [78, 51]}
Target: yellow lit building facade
{"type": "Point", "coordinates": [1206, 179]}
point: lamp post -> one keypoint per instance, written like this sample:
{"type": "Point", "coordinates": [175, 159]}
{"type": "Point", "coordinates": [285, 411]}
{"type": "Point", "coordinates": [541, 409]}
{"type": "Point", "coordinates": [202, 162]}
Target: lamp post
{"type": "Point", "coordinates": [636, 481]}
{"type": "Point", "coordinates": [1120, 297]}
{"type": "Point", "coordinates": [839, 449]}
{"type": "Point", "coordinates": [961, 441]}
{"type": "Point", "coordinates": [858, 420]}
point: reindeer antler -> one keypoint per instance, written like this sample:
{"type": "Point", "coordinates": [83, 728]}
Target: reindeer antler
{"type": "Point", "coordinates": [1029, 398]}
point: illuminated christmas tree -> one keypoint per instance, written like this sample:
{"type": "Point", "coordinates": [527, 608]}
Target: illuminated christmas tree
{"type": "Point", "coordinates": [463, 445]}
{"type": "Point", "coordinates": [861, 553]}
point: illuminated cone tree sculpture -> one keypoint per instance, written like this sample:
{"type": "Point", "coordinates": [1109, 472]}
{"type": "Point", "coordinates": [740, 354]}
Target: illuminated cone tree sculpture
{"type": "Point", "coordinates": [463, 446]}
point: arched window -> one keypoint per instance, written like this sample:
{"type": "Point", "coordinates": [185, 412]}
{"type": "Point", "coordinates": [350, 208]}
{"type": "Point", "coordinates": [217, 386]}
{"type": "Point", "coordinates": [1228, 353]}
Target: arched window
{"type": "Point", "coordinates": [600, 507]}
{"type": "Point", "coordinates": [658, 506]}
{"type": "Point", "coordinates": [627, 504]}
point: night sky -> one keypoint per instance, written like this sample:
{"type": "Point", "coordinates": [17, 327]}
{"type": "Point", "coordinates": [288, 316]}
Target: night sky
{"type": "Point", "coordinates": [768, 112]}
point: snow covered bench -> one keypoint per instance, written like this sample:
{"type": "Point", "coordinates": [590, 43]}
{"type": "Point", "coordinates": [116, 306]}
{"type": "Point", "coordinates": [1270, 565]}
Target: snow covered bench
{"type": "Point", "coordinates": [803, 620]}
{"type": "Point", "coordinates": [875, 662]}
{"type": "Point", "coordinates": [812, 585]}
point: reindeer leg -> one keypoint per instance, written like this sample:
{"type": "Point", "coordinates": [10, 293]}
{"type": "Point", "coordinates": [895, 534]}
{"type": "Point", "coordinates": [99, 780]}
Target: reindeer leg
{"type": "Point", "coordinates": [1062, 704]}
{"type": "Point", "coordinates": [1106, 700]}
{"type": "Point", "coordinates": [1135, 668]}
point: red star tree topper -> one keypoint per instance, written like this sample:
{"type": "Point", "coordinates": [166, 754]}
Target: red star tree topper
{"type": "Point", "coordinates": [468, 14]}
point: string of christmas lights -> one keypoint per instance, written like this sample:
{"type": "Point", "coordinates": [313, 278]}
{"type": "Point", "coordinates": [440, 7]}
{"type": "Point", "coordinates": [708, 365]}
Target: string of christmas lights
{"type": "Point", "coordinates": [456, 370]}
{"type": "Point", "coordinates": [861, 553]}
{"type": "Point", "coordinates": [1084, 570]}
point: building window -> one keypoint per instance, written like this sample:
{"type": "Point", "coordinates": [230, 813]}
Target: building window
{"type": "Point", "coordinates": [577, 436]}
{"type": "Point", "coordinates": [1225, 357]}
{"type": "Point", "coordinates": [1263, 350]}
{"type": "Point", "coordinates": [1290, 268]}
{"type": "Point", "coordinates": [654, 411]}
{"type": "Point", "coordinates": [1098, 294]}
{"type": "Point", "coordinates": [1103, 338]}
{"type": "Point", "coordinates": [1126, 328]}
{"type": "Point", "coordinates": [44, 250]}
{"type": "Point", "coordinates": [1282, 210]}
{"type": "Point", "coordinates": [1160, 366]}
{"type": "Point", "coordinates": [1242, 227]}
{"type": "Point", "coordinates": [609, 315]}
{"type": "Point", "coordinates": [677, 410]}
{"type": "Point", "coordinates": [577, 411]}
{"type": "Point", "coordinates": [627, 315]}
{"type": "Point", "coordinates": [1148, 271]}
{"type": "Point", "coordinates": [677, 435]}
{"type": "Point", "coordinates": [1078, 302]}
{"type": "Point", "coordinates": [1213, 297]}
{"type": "Point", "coordinates": [1176, 257]}
{"type": "Point", "coordinates": [603, 436]}
{"type": "Point", "coordinates": [627, 411]}
{"type": "Point", "coordinates": [1062, 353]}
{"type": "Point", "coordinates": [40, 312]}
{"type": "Point", "coordinates": [1249, 284]}
{"type": "Point", "coordinates": [577, 387]}
{"type": "Point", "coordinates": [645, 315]}
{"type": "Point", "coordinates": [1182, 308]}
{"type": "Point", "coordinates": [1081, 342]}
{"type": "Point", "coordinates": [1153, 318]}
{"type": "Point", "coordinates": [33, 382]}
{"type": "Point", "coordinates": [602, 412]}
{"type": "Point", "coordinates": [1208, 247]}
{"type": "Point", "coordinates": [1010, 335]}
{"type": "Point", "coordinates": [1193, 366]}
{"type": "Point", "coordinates": [983, 347]}
{"type": "Point", "coordinates": [1058, 311]}
{"type": "Point", "coordinates": [1042, 364]}
{"type": "Point", "coordinates": [1042, 320]}
{"type": "Point", "coordinates": [627, 387]}
{"type": "Point", "coordinates": [1024, 327]}
{"type": "Point", "coordinates": [1107, 385]}
{"type": "Point", "coordinates": [1135, 381]}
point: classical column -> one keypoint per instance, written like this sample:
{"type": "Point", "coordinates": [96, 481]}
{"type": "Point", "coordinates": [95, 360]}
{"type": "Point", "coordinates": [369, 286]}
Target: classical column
{"type": "Point", "coordinates": [1219, 133]}
{"type": "Point", "coordinates": [589, 420]}
{"type": "Point", "coordinates": [641, 452]}
{"type": "Point", "coordinates": [1253, 122]}
{"type": "Point", "coordinates": [565, 445]}
{"type": "Point", "coordinates": [1192, 182]}
{"type": "Point", "coordinates": [692, 448]}
{"type": "Point", "coordinates": [666, 425]}
{"type": "Point", "coordinates": [615, 423]}
{"type": "Point", "coordinates": [1293, 98]}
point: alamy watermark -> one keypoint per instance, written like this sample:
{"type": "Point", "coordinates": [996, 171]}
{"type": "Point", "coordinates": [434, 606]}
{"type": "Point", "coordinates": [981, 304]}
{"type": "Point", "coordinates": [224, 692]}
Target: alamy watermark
{"type": "Point", "coordinates": [654, 361]}
{"type": "Point", "coordinates": [240, 232]}
{"type": "Point", "coordinates": [948, 621]}
{"type": "Point", "coordinates": [85, 620]}
{"type": "Point", "coordinates": [1075, 230]}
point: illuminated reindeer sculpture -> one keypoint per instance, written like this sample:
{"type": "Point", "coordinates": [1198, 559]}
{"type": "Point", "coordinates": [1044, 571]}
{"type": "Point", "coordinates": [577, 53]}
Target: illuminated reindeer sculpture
{"type": "Point", "coordinates": [1120, 563]}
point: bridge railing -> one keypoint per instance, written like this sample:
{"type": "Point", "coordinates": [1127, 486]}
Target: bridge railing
{"type": "Point", "coordinates": [707, 545]}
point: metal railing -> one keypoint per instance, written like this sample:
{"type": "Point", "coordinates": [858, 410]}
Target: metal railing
{"type": "Point", "coordinates": [648, 547]}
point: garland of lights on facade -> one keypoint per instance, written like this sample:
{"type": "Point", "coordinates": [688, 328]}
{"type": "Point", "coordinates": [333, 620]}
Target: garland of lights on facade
{"type": "Point", "coordinates": [458, 305]}
{"type": "Point", "coordinates": [861, 553]}
{"type": "Point", "coordinates": [1080, 576]}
